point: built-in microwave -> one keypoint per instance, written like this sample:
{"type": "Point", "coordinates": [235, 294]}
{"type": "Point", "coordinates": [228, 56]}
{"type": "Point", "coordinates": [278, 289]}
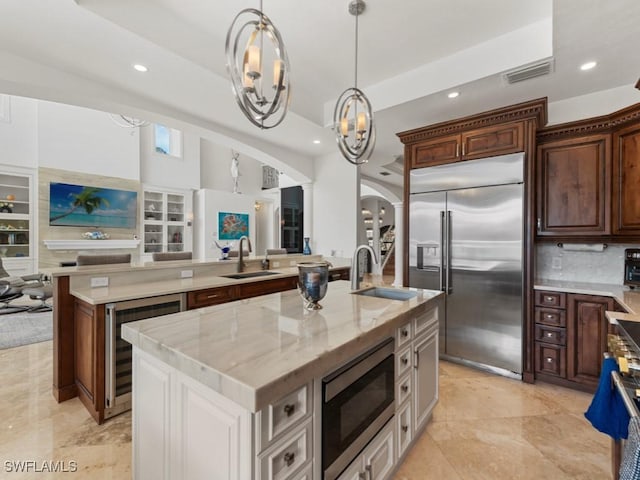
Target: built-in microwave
{"type": "Point", "coordinates": [632, 267]}
{"type": "Point", "coordinates": [357, 401]}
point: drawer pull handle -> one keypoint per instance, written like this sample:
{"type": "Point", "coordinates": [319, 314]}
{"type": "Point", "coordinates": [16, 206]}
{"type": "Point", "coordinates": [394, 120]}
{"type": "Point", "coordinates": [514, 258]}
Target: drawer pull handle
{"type": "Point", "coordinates": [289, 408]}
{"type": "Point", "coordinates": [405, 332]}
{"type": "Point", "coordinates": [405, 388]}
{"type": "Point", "coordinates": [549, 360]}
{"type": "Point", "coordinates": [549, 334]}
{"type": "Point", "coordinates": [405, 428]}
{"type": "Point", "coordinates": [213, 295]}
{"type": "Point", "coordinates": [289, 458]}
{"type": "Point", "coordinates": [404, 360]}
{"type": "Point", "coordinates": [548, 299]}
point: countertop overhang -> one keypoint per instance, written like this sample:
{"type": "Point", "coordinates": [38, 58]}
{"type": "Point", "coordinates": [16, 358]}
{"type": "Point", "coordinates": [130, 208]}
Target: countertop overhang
{"type": "Point", "coordinates": [256, 350]}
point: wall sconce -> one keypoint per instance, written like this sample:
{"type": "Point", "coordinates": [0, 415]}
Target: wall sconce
{"type": "Point", "coordinates": [257, 206]}
{"type": "Point", "coordinates": [189, 219]}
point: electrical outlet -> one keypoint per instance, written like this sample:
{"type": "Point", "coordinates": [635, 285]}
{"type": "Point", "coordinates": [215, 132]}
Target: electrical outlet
{"type": "Point", "coordinates": [186, 274]}
{"type": "Point", "coordinates": [274, 264]}
{"type": "Point", "coordinates": [99, 282]}
{"type": "Point", "coordinates": [556, 263]}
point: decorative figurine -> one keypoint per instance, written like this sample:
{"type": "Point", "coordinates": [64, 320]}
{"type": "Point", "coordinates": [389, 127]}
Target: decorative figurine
{"type": "Point", "coordinates": [224, 250]}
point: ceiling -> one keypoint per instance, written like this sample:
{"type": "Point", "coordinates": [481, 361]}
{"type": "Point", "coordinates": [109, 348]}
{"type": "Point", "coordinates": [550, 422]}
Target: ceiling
{"type": "Point", "coordinates": [82, 51]}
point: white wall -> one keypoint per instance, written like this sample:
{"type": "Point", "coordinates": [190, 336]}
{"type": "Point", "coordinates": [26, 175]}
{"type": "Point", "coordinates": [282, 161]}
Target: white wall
{"type": "Point", "coordinates": [86, 141]}
{"type": "Point", "coordinates": [592, 105]}
{"type": "Point", "coordinates": [167, 171]}
{"type": "Point", "coordinates": [336, 203]}
{"type": "Point", "coordinates": [18, 131]}
{"type": "Point", "coordinates": [207, 203]}
{"type": "Point", "coordinates": [215, 170]}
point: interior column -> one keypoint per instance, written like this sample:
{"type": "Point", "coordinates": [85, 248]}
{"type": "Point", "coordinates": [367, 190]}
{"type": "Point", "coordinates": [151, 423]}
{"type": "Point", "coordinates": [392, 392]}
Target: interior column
{"type": "Point", "coordinates": [307, 221]}
{"type": "Point", "coordinates": [399, 242]}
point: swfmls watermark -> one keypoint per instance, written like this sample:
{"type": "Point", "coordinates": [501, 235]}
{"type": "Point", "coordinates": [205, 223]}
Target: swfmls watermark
{"type": "Point", "coordinates": [44, 466]}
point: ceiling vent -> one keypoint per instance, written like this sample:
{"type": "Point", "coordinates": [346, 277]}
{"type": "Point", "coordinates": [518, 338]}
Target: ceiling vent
{"type": "Point", "coordinates": [530, 71]}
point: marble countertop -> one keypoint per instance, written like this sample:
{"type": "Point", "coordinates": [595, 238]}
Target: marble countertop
{"type": "Point", "coordinates": [254, 351]}
{"type": "Point", "coordinates": [120, 293]}
{"type": "Point", "coordinates": [626, 297]}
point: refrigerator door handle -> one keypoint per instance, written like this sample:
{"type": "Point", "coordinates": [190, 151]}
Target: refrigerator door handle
{"type": "Point", "coordinates": [449, 286]}
{"type": "Point", "coordinates": [443, 251]}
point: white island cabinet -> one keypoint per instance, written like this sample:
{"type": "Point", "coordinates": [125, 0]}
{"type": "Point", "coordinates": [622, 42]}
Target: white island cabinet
{"type": "Point", "coordinates": [231, 392]}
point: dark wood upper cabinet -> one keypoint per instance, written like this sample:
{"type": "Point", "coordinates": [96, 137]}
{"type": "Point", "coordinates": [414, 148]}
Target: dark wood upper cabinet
{"type": "Point", "coordinates": [495, 140]}
{"type": "Point", "coordinates": [574, 186]}
{"type": "Point", "coordinates": [626, 185]}
{"type": "Point", "coordinates": [437, 151]}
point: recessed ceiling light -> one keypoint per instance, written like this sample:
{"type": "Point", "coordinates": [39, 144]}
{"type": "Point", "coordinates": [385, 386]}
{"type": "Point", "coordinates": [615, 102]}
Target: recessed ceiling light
{"type": "Point", "coordinates": [453, 94]}
{"type": "Point", "coordinates": [317, 142]}
{"type": "Point", "coordinates": [141, 68]}
{"type": "Point", "coordinates": [588, 65]}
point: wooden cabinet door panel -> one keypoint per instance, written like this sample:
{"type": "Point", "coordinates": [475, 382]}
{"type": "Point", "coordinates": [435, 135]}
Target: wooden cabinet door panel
{"type": "Point", "coordinates": [495, 140]}
{"type": "Point", "coordinates": [85, 340]}
{"type": "Point", "coordinates": [586, 337]}
{"type": "Point", "coordinates": [573, 186]}
{"type": "Point", "coordinates": [436, 152]}
{"type": "Point", "coordinates": [626, 184]}
{"type": "Point", "coordinates": [551, 359]}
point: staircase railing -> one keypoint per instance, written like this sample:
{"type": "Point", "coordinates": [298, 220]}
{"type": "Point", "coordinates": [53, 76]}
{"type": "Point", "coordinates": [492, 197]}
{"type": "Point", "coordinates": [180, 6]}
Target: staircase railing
{"type": "Point", "coordinates": [387, 255]}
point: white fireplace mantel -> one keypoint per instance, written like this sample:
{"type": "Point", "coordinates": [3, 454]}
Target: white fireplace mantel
{"type": "Point", "coordinates": [90, 244]}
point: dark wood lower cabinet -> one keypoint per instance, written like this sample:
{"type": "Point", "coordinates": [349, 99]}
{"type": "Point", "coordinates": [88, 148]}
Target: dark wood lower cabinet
{"type": "Point", "coordinates": [571, 338]}
{"type": "Point", "coordinates": [586, 337]}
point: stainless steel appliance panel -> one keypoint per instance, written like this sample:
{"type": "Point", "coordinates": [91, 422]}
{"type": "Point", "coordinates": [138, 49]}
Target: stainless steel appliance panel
{"type": "Point", "coordinates": [484, 297]}
{"type": "Point", "coordinates": [426, 239]}
{"type": "Point", "coordinates": [500, 170]}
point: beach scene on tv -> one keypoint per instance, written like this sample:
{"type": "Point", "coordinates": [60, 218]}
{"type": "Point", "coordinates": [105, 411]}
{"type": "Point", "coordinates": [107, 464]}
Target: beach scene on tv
{"type": "Point", "coordinates": [85, 206]}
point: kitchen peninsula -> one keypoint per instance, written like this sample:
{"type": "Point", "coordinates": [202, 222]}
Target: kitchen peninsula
{"type": "Point", "coordinates": [87, 298]}
{"type": "Point", "coordinates": [237, 390]}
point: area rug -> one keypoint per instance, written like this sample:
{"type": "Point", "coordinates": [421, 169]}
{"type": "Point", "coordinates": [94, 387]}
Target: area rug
{"type": "Point", "coordinates": [25, 328]}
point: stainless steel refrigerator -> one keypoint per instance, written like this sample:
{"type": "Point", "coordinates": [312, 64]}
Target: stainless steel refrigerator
{"type": "Point", "coordinates": [465, 238]}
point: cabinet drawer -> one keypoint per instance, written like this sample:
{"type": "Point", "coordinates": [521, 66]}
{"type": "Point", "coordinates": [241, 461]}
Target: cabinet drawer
{"type": "Point", "coordinates": [403, 389]}
{"type": "Point", "coordinates": [287, 456]}
{"type": "Point", "coordinates": [403, 433]}
{"type": "Point", "coordinates": [403, 362]}
{"type": "Point", "coordinates": [403, 335]}
{"type": "Point", "coordinates": [341, 274]}
{"type": "Point", "coordinates": [551, 299]}
{"type": "Point", "coordinates": [551, 316]}
{"type": "Point", "coordinates": [551, 359]}
{"type": "Point", "coordinates": [494, 140]}
{"type": "Point", "coordinates": [280, 416]}
{"type": "Point", "coordinates": [210, 296]}
{"type": "Point", "coordinates": [423, 322]}
{"type": "Point", "coordinates": [555, 335]}
{"type": "Point", "coordinates": [263, 287]}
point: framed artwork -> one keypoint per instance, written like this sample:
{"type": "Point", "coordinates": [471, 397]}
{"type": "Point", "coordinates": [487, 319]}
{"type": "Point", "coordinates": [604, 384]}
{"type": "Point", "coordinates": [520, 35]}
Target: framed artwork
{"type": "Point", "coordinates": [231, 226]}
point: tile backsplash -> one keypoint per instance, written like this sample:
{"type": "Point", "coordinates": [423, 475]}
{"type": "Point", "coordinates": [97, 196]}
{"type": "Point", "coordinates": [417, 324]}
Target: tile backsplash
{"type": "Point", "coordinates": [556, 263]}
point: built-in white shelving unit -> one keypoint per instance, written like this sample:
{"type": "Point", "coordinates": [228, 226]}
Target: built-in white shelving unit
{"type": "Point", "coordinates": [164, 219]}
{"type": "Point", "coordinates": [16, 222]}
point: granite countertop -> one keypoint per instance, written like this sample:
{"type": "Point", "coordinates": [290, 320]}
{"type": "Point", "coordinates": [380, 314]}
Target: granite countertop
{"type": "Point", "coordinates": [120, 293]}
{"type": "Point", "coordinates": [626, 297]}
{"type": "Point", "coordinates": [254, 351]}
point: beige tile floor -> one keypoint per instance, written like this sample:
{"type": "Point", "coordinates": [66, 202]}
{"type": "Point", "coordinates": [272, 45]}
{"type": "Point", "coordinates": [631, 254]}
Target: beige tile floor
{"type": "Point", "coordinates": [484, 427]}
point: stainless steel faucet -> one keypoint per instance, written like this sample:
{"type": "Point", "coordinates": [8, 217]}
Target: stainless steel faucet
{"type": "Point", "coordinates": [355, 266]}
{"type": "Point", "coordinates": [241, 263]}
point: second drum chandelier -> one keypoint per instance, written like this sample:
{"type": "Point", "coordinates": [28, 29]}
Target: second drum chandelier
{"type": "Point", "coordinates": [353, 116]}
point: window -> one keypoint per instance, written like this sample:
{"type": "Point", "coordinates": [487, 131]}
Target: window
{"type": "Point", "coordinates": [168, 141]}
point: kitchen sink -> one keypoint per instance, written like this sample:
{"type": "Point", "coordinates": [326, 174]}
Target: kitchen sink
{"type": "Point", "coordinates": [388, 293]}
{"type": "Point", "coordinates": [238, 276]}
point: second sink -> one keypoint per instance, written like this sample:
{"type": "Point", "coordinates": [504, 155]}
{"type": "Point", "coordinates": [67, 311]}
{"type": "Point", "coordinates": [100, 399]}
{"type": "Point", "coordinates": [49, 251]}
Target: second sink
{"type": "Point", "coordinates": [238, 276]}
{"type": "Point", "coordinates": [388, 293]}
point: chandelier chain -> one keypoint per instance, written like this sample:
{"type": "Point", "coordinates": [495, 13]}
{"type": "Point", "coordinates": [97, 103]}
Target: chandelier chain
{"type": "Point", "coordinates": [356, 62]}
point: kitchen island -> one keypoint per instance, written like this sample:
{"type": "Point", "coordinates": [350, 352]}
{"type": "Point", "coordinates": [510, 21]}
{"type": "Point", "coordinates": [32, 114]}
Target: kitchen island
{"type": "Point", "coordinates": [234, 391]}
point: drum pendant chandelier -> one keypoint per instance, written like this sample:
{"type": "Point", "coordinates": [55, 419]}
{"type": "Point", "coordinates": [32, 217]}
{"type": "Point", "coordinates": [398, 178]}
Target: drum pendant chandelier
{"type": "Point", "coordinates": [353, 115]}
{"type": "Point", "coordinates": [249, 34]}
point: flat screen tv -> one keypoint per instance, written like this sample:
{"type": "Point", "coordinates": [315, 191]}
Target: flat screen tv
{"type": "Point", "coordinates": [84, 206]}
